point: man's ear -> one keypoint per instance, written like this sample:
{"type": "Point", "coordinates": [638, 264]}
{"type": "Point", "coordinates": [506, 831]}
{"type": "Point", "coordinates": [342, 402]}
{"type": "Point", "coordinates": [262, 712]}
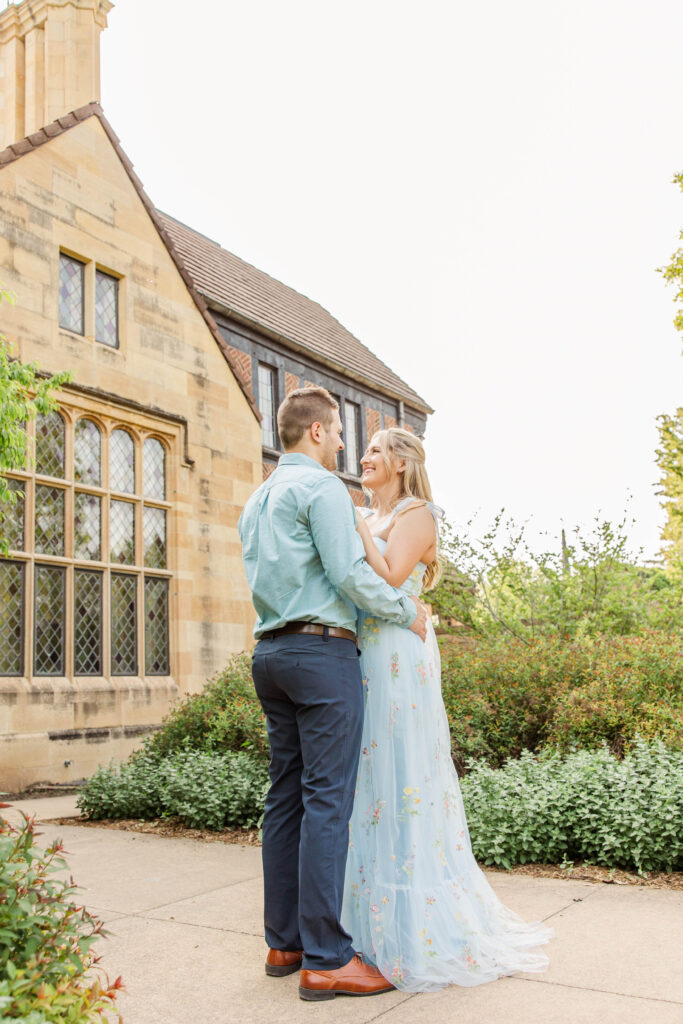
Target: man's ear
{"type": "Point", "coordinates": [316, 431]}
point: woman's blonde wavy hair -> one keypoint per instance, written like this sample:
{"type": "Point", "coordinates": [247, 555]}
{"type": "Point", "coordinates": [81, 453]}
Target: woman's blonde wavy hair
{"type": "Point", "coordinates": [396, 443]}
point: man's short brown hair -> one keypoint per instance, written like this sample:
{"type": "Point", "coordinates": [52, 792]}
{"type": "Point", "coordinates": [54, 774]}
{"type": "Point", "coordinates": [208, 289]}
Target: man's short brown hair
{"type": "Point", "coordinates": [300, 409]}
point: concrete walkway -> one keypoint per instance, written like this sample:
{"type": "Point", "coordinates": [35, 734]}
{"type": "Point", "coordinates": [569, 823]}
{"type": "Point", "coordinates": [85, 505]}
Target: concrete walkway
{"type": "Point", "coordinates": [185, 923]}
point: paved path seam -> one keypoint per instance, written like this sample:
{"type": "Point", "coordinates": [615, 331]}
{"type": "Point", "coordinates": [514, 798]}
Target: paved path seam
{"type": "Point", "coordinates": [604, 991]}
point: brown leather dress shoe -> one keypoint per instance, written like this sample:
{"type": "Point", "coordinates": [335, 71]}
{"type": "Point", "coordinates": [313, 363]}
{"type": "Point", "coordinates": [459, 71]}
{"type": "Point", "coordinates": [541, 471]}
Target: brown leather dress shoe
{"type": "Point", "coordinates": [354, 979]}
{"type": "Point", "coordinates": [280, 962]}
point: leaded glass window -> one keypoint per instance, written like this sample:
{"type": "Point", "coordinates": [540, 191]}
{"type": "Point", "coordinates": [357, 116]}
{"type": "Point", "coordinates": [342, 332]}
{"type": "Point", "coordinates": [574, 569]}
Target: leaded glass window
{"type": "Point", "coordinates": [154, 536]}
{"type": "Point", "coordinates": [156, 627]}
{"type": "Point", "coordinates": [48, 646]}
{"type": "Point", "coordinates": [122, 462]}
{"type": "Point", "coordinates": [106, 309]}
{"type": "Point", "coordinates": [12, 521]}
{"type": "Point", "coordinates": [87, 526]}
{"type": "Point", "coordinates": [122, 532]}
{"type": "Point", "coordinates": [71, 276]}
{"type": "Point", "coordinates": [12, 613]}
{"type": "Point", "coordinates": [87, 453]}
{"type": "Point", "coordinates": [266, 404]}
{"type": "Point", "coordinates": [124, 646]}
{"type": "Point", "coordinates": [50, 445]}
{"type": "Point", "coordinates": [87, 623]}
{"type": "Point", "coordinates": [154, 469]}
{"type": "Point", "coordinates": [352, 437]}
{"type": "Point", "coordinates": [49, 520]}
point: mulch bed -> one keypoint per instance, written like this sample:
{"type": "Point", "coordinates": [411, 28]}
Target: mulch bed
{"type": "Point", "coordinates": [580, 872]}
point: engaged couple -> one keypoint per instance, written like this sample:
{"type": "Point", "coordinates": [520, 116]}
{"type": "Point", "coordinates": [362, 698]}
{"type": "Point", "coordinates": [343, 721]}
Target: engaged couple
{"type": "Point", "coordinates": [369, 877]}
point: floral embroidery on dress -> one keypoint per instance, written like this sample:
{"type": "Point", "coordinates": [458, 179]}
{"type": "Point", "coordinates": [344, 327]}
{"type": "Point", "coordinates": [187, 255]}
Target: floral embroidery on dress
{"type": "Point", "coordinates": [410, 798]}
{"type": "Point", "coordinates": [415, 900]}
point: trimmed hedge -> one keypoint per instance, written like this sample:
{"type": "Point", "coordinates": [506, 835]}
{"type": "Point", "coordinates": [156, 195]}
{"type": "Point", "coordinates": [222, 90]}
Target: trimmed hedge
{"type": "Point", "coordinates": [200, 789]}
{"type": "Point", "coordinates": [226, 716]}
{"type": "Point", "coordinates": [555, 808]}
{"type": "Point", "coordinates": [503, 696]}
{"type": "Point", "coordinates": [587, 806]}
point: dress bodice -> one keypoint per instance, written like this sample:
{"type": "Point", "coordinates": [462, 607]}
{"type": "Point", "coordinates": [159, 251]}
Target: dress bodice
{"type": "Point", "coordinates": [413, 585]}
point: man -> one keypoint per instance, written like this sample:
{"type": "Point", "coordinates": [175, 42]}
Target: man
{"type": "Point", "coordinates": [305, 566]}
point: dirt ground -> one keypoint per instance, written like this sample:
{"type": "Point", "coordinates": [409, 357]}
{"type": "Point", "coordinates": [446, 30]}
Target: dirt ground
{"type": "Point", "coordinates": [249, 837]}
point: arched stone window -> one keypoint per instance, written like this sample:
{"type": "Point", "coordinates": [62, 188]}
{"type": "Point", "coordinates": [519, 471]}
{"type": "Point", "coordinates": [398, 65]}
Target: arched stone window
{"type": "Point", "coordinates": [121, 462]}
{"type": "Point", "coordinates": [85, 591]}
{"type": "Point", "coordinates": [50, 445]}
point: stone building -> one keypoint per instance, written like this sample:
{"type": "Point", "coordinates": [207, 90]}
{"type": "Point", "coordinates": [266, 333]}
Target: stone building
{"type": "Point", "coordinates": [125, 586]}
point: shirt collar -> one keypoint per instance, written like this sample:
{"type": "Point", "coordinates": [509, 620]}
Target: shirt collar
{"type": "Point", "coordinates": [299, 459]}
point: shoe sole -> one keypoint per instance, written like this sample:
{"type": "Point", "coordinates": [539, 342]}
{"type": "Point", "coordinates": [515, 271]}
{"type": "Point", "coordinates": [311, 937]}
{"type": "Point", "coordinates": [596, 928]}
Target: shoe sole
{"type": "Point", "coordinates": [315, 995]}
{"type": "Point", "coordinates": [282, 971]}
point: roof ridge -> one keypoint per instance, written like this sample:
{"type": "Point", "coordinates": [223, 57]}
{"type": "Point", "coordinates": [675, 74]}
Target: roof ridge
{"type": "Point", "coordinates": [305, 314]}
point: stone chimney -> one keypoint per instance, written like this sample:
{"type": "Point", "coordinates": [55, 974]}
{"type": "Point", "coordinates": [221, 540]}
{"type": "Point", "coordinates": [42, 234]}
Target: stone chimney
{"type": "Point", "coordinates": [49, 62]}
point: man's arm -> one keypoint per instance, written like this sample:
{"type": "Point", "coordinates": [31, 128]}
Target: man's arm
{"type": "Point", "coordinates": [331, 520]}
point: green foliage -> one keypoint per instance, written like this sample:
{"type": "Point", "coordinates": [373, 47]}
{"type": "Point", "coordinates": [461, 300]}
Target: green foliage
{"type": "Point", "coordinates": [200, 789]}
{"type": "Point", "coordinates": [673, 271]}
{"type": "Point", "coordinates": [503, 695]}
{"type": "Point", "coordinates": [225, 716]}
{"type": "Point", "coordinates": [22, 396]}
{"type": "Point", "coordinates": [585, 806]}
{"type": "Point", "coordinates": [497, 585]}
{"type": "Point", "coordinates": [670, 462]}
{"type": "Point", "coordinates": [45, 939]}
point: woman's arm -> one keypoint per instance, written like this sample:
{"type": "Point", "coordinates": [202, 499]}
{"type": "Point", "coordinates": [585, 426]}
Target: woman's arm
{"type": "Point", "coordinates": [411, 540]}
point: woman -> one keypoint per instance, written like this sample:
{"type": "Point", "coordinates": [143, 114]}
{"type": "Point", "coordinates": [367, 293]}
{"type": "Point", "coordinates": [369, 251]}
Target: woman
{"type": "Point", "coordinates": [415, 900]}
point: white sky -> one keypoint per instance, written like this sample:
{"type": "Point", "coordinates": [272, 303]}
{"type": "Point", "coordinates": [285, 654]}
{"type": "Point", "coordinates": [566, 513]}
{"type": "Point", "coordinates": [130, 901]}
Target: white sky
{"type": "Point", "coordinates": [481, 192]}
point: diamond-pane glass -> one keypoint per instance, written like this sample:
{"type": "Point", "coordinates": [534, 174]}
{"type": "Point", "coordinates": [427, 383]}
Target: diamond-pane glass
{"type": "Point", "coordinates": [122, 462]}
{"type": "Point", "coordinates": [49, 536]}
{"type": "Point", "coordinates": [156, 627]}
{"type": "Point", "coordinates": [124, 647]}
{"type": "Point", "coordinates": [50, 445]}
{"type": "Point", "coordinates": [87, 521]}
{"type": "Point", "coordinates": [154, 536]}
{"type": "Point", "coordinates": [154, 469]}
{"type": "Point", "coordinates": [12, 517]}
{"type": "Point", "coordinates": [70, 293]}
{"type": "Point", "coordinates": [266, 404]}
{"type": "Point", "coordinates": [87, 453]}
{"type": "Point", "coordinates": [12, 615]}
{"type": "Point", "coordinates": [106, 309]}
{"type": "Point", "coordinates": [352, 437]}
{"type": "Point", "coordinates": [122, 532]}
{"type": "Point", "coordinates": [87, 623]}
{"type": "Point", "coordinates": [49, 624]}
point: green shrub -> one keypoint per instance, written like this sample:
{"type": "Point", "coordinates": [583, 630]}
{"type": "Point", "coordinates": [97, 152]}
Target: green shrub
{"type": "Point", "coordinates": [45, 938]}
{"type": "Point", "coordinates": [225, 716]}
{"type": "Point", "coordinates": [503, 695]}
{"type": "Point", "coordinates": [583, 806]}
{"type": "Point", "coordinates": [200, 789]}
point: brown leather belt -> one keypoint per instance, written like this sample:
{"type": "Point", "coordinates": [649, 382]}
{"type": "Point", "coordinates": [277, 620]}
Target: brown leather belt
{"type": "Point", "coordinates": [316, 628]}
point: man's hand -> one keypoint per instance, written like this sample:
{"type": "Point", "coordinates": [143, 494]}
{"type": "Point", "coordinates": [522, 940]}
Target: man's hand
{"type": "Point", "coordinates": [420, 624]}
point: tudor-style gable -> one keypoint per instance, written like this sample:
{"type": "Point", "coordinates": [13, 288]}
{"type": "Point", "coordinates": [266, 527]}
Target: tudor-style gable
{"type": "Point", "coordinates": [125, 585]}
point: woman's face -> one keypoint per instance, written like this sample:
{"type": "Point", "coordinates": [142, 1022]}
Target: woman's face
{"type": "Point", "coordinates": [375, 473]}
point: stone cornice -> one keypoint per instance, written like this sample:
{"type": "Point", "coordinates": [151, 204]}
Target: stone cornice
{"type": "Point", "coordinates": [17, 21]}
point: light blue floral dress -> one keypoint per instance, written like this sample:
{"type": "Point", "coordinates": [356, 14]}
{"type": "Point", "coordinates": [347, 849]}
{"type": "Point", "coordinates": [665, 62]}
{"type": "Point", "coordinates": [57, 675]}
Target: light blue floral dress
{"type": "Point", "coordinates": [415, 900]}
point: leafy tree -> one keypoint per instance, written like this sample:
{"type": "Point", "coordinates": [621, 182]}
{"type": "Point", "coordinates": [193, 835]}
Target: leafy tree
{"type": "Point", "coordinates": [670, 452]}
{"type": "Point", "coordinates": [23, 394]}
{"type": "Point", "coordinates": [498, 585]}
{"type": "Point", "coordinates": [670, 462]}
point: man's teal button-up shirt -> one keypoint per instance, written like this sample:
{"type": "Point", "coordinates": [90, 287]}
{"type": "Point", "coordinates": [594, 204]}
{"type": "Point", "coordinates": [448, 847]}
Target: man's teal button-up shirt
{"type": "Point", "coordinates": [304, 559]}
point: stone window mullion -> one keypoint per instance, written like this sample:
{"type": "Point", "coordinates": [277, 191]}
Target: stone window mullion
{"type": "Point", "coordinates": [69, 618]}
